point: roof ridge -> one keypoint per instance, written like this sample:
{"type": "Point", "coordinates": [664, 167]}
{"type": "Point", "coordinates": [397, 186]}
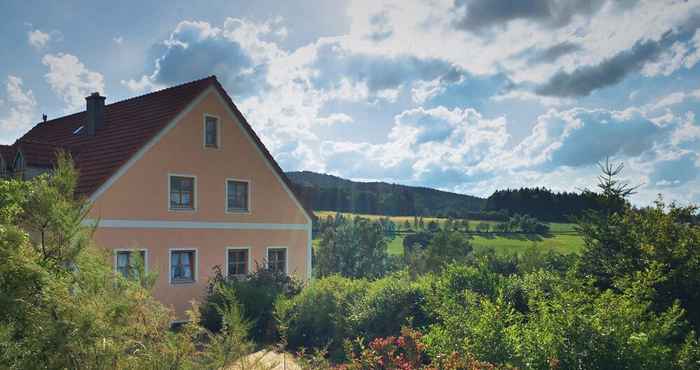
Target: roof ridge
{"type": "Point", "coordinates": [212, 77]}
{"type": "Point", "coordinates": [33, 141]}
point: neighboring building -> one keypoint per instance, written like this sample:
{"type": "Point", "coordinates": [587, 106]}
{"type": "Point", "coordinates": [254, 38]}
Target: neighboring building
{"type": "Point", "coordinates": [180, 177]}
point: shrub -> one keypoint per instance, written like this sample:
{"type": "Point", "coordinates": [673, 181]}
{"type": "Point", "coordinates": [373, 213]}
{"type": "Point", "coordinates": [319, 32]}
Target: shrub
{"type": "Point", "coordinates": [318, 316]}
{"type": "Point", "coordinates": [406, 351]}
{"type": "Point", "coordinates": [572, 323]}
{"type": "Point", "coordinates": [387, 305]}
{"type": "Point", "coordinates": [256, 293]}
{"type": "Point", "coordinates": [402, 352]}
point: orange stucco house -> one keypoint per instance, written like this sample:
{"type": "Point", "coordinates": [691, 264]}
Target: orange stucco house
{"type": "Point", "coordinates": [180, 177]}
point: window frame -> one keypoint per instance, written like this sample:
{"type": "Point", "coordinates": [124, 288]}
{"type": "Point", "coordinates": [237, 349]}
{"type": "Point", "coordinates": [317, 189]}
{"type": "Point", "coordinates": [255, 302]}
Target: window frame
{"type": "Point", "coordinates": [195, 200]}
{"type": "Point", "coordinates": [204, 131]}
{"type": "Point", "coordinates": [116, 252]}
{"type": "Point", "coordinates": [195, 267]}
{"type": "Point", "coordinates": [286, 257]}
{"type": "Point", "coordinates": [249, 262]}
{"type": "Point", "coordinates": [18, 163]}
{"type": "Point", "coordinates": [233, 211]}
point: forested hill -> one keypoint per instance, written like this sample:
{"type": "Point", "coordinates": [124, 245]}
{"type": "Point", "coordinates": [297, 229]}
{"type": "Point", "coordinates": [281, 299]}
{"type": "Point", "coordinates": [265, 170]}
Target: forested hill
{"type": "Point", "coordinates": [331, 193]}
{"type": "Point", "coordinates": [542, 203]}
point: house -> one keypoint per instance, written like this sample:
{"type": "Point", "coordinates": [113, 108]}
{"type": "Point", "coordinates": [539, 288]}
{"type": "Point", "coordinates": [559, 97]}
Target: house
{"type": "Point", "coordinates": [180, 177]}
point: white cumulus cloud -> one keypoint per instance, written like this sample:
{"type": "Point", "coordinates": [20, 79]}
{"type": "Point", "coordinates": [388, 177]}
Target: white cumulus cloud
{"type": "Point", "coordinates": [71, 80]}
{"type": "Point", "coordinates": [19, 107]}
{"type": "Point", "coordinates": [38, 39]}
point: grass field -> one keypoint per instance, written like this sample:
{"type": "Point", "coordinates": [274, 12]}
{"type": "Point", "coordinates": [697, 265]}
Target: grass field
{"type": "Point", "coordinates": [563, 238]}
{"type": "Point", "coordinates": [555, 227]}
{"type": "Point", "coordinates": [512, 244]}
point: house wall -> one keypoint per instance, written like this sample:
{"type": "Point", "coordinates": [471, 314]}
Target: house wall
{"type": "Point", "coordinates": [211, 251]}
{"type": "Point", "coordinates": [141, 196]}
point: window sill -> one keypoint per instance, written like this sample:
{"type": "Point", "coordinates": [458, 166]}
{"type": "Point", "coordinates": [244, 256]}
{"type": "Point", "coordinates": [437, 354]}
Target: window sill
{"type": "Point", "coordinates": [182, 282]}
{"type": "Point", "coordinates": [182, 210]}
{"type": "Point", "coordinates": [238, 211]}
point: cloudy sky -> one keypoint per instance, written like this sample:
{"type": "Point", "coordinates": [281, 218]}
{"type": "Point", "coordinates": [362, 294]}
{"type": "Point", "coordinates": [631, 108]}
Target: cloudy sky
{"type": "Point", "coordinates": [463, 95]}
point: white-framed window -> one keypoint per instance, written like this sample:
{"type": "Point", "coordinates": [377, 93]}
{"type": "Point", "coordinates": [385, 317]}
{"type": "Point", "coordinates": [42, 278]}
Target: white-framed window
{"type": "Point", "coordinates": [211, 131]}
{"type": "Point", "coordinates": [238, 261]}
{"type": "Point", "coordinates": [126, 262]}
{"type": "Point", "coordinates": [183, 265]}
{"type": "Point", "coordinates": [182, 192]}
{"type": "Point", "coordinates": [237, 196]}
{"type": "Point", "coordinates": [277, 259]}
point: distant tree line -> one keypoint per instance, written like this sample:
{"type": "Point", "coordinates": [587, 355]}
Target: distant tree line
{"type": "Point", "coordinates": [329, 193]}
{"type": "Point", "coordinates": [542, 203]}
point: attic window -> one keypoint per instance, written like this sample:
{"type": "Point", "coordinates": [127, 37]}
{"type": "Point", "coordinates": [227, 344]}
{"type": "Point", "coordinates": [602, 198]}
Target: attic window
{"type": "Point", "coordinates": [77, 130]}
{"type": "Point", "coordinates": [19, 162]}
{"type": "Point", "coordinates": [211, 131]}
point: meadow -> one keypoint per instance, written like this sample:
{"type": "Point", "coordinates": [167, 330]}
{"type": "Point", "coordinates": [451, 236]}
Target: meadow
{"type": "Point", "coordinates": [563, 238]}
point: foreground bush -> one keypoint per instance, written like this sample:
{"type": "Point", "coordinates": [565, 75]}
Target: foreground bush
{"type": "Point", "coordinates": [256, 293]}
{"type": "Point", "coordinates": [333, 310]}
{"type": "Point", "coordinates": [537, 320]}
{"type": "Point", "coordinates": [385, 307]}
{"type": "Point", "coordinates": [318, 316]}
{"type": "Point", "coordinates": [565, 322]}
{"type": "Point", "coordinates": [405, 351]}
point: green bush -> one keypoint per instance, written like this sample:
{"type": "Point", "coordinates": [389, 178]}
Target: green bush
{"type": "Point", "coordinates": [318, 316]}
{"type": "Point", "coordinates": [388, 305]}
{"type": "Point", "coordinates": [544, 319]}
{"type": "Point", "coordinates": [256, 293]}
{"type": "Point", "coordinates": [470, 312]}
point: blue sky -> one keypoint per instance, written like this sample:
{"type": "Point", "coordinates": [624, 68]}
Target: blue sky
{"type": "Point", "coordinates": [462, 95]}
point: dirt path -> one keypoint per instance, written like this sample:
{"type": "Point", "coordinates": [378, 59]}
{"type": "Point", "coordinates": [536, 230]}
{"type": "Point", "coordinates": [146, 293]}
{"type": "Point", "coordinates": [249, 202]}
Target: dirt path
{"type": "Point", "coordinates": [267, 360]}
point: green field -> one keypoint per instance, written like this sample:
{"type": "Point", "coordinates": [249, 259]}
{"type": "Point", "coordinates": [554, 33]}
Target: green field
{"type": "Point", "coordinates": [516, 243]}
{"type": "Point", "coordinates": [563, 238]}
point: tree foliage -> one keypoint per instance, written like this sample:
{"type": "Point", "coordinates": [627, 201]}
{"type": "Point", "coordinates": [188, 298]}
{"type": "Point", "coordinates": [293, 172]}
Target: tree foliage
{"type": "Point", "coordinates": [355, 248]}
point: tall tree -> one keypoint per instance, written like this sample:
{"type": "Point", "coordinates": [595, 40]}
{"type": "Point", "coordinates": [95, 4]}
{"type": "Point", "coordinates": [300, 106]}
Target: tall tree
{"type": "Point", "coordinates": [354, 248]}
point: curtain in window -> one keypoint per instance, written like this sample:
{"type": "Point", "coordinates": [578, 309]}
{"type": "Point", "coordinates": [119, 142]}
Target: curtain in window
{"type": "Point", "coordinates": [186, 266]}
{"type": "Point", "coordinates": [238, 195]}
{"type": "Point", "coordinates": [238, 262]}
{"type": "Point", "coordinates": [181, 192]}
{"type": "Point", "coordinates": [181, 265]}
{"type": "Point", "coordinates": [123, 263]}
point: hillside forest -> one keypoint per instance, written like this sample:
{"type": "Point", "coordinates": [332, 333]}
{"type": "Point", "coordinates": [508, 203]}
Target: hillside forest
{"type": "Point", "coordinates": [331, 193]}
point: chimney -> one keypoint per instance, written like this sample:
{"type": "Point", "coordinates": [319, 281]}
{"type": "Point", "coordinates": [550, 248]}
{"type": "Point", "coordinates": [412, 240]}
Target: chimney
{"type": "Point", "coordinates": [95, 113]}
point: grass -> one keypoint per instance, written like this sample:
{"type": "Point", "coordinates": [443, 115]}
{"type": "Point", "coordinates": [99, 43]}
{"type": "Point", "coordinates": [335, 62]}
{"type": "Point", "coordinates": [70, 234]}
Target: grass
{"type": "Point", "coordinates": [511, 244]}
{"type": "Point", "coordinates": [563, 239]}
{"type": "Point", "coordinates": [395, 246]}
{"type": "Point", "coordinates": [564, 244]}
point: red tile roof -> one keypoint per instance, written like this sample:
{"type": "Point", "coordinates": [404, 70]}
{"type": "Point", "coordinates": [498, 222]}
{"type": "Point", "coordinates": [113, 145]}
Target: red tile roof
{"type": "Point", "coordinates": [7, 153]}
{"type": "Point", "coordinates": [129, 125]}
